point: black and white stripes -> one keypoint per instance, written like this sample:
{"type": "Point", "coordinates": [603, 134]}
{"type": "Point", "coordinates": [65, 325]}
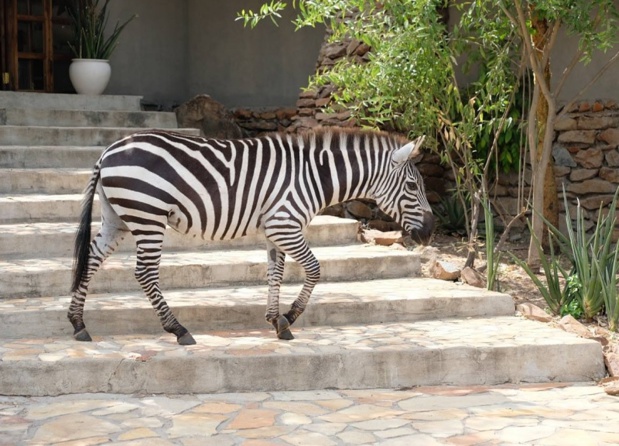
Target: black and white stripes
{"type": "Point", "coordinates": [225, 189]}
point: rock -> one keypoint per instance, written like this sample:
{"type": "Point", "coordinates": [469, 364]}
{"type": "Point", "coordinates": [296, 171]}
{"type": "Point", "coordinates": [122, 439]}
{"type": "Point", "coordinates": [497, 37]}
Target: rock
{"type": "Point", "coordinates": [593, 203]}
{"type": "Point", "coordinates": [596, 122]}
{"type": "Point", "coordinates": [323, 102]}
{"type": "Point", "coordinates": [359, 209]}
{"type": "Point", "coordinates": [208, 115]}
{"type": "Point", "coordinates": [383, 238]}
{"type": "Point", "coordinates": [562, 156]}
{"type": "Point", "coordinates": [472, 277]}
{"type": "Point", "coordinates": [592, 186]}
{"type": "Point", "coordinates": [561, 171]}
{"type": "Point", "coordinates": [610, 385]}
{"type": "Point", "coordinates": [612, 363]}
{"type": "Point", "coordinates": [306, 102]}
{"type": "Point", "coordinates": [352, 46]}
{"type": "Point", "coordinates": [582, 174]}
{"type": "Point", "coordinates": [335, 50]}
{"type": "Point", "coordinates": [609, 174]}
{"type": "Point", "coordinates": [610, 136]}
{"type": "Point", "coordinates": [577, 136]}
{"type": "Point", "coordinates": [612, 158]}
{"type": "Point", "coordinates": [590, 158]}
{"type": "Point", "coordinates": [531, 311]}
{"type": "Point", "coordinates": [285, 113]}
{"type": "Point", "coordinates": [565, 123]}
{"type": "Point", "coordinates": [308, 93]}
{"type": "Point", "coordinates": [362, 50]}
{"type": "Point", "coordinates": [571, 325]}
{"type": "Point", "coordinates": [445, 271]}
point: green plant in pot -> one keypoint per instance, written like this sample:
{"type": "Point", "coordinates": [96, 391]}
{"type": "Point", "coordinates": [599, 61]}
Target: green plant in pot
{"type": "Point", "coordinates": [90, 70]}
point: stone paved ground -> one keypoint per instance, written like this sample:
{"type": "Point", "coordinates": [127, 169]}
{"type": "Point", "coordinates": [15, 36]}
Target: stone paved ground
{"type": "Point", "coordinates": [536, 414]}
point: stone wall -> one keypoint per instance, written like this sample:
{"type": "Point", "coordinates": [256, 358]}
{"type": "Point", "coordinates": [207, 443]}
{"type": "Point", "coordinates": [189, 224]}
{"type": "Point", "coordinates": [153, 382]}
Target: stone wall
{"type": "Point", "coordinates": [258, 121]}
{"type": "Point", "coordinates": [586, 154]}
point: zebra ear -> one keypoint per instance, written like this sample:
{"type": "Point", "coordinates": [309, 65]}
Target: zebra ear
{"type": "Point", "coordinates": [410, 150]}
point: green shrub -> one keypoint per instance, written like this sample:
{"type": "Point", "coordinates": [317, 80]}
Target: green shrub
{"type": "Point", "coordinates": [451, 214]}
{"type": "Point", "coordinates": [555, 297]}
{"type": "Point", "coordinates": [591, 285]}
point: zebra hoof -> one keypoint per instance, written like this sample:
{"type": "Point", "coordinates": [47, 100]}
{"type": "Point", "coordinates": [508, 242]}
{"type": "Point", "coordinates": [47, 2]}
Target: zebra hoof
{"type": "Point", "coordinates": [186, 339]}
{"type": "Point", "coordinates": [283, 329]}
{"type": "Point", "coordinates": [82, 336]}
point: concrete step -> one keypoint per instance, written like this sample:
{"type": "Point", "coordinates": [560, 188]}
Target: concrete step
{"type": "Point", "coordinates": [243, 307]}
{"type": "Point", "coordinates": [69, 136]}
{"type": "Point", "coordinates": [52, 276]}
{"type": "Point", "coordinates": [56, 239]}
{"type": "Point", "coordinates": [478, 351]}
{"type": "Point", "coordinates": [57, 101]}
{"type": "Point", "coordinates": [66, 180]}
{"type": "Point", "coordinates": [21, 208]}
{"type": "Point", "coordinates": [39, 157]}
{"type": "Point", "coordinates": [86, 118]}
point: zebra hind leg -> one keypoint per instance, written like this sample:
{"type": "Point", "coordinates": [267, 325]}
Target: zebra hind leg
{"type": "Point", "coordinates": [147, 274]}
{"type": "Point", "coordinates": [275, 273]}
{"type": "Point", "coordinates": [104, 243]}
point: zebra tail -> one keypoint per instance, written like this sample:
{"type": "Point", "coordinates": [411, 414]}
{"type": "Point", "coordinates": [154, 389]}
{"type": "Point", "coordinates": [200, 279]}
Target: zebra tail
{"type": "Point", "coordinates": [82, 238]}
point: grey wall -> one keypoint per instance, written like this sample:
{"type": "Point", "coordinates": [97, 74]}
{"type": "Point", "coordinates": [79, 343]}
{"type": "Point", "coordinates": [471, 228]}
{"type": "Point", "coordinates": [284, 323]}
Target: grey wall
{"type": "Point", "coordinates": [177, 49]}
{"type": "Point", "coordinates": [606, 87]}
{"type": "Point", "coordinates": [239, 66]}
{"type": "Point", "coordinates": [151, 58]}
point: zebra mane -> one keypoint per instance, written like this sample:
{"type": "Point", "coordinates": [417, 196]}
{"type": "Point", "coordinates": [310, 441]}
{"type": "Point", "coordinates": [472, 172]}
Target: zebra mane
{"type": "Point", "coordinates": [335, 132]}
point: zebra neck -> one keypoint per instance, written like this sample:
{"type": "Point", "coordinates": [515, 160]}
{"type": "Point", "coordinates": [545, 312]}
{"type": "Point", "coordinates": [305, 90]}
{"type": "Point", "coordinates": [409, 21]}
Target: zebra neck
{"type": "Point", "coordinates": [350, 166]}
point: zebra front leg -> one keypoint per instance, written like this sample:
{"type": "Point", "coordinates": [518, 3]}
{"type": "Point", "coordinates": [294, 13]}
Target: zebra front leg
{"type": "Point", "coordinates": [147, 274]}
{"type": "Point", "coordinates": [303, 255]}
{"type": "Point", "coordinates": [290, 241]}
{"type": "Point", "coordinates": [104, 244]}
{"type": "Point", "coordinates": [275, 273]}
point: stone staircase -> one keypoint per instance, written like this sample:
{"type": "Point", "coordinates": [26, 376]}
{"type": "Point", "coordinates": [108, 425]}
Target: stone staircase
{"type": "Point", "coordinates": [372, 322]}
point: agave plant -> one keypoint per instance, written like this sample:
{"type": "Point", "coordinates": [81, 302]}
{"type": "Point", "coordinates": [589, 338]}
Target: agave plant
{"type": "Point", "coordinates": [90, 21]}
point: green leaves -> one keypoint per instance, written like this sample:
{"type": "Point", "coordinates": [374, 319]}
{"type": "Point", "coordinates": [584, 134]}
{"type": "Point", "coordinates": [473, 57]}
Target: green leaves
{"type": "Point", "coordinates": [551, 291]}
{"type": "Point", "coordinates": [267, 10]}
{"type": "Point", "coordinates": [591, 285]}
{"type": "Point", "coordinates": [90, 21]}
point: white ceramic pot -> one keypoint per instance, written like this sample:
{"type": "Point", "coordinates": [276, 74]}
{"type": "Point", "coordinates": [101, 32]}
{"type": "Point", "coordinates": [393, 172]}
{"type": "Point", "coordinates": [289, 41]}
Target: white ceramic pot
{"type": "Point", "coordinates": [90, 76]}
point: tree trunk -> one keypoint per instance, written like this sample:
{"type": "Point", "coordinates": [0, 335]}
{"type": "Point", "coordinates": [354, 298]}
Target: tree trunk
{"type": "Point", "coordinates": [545, 200]}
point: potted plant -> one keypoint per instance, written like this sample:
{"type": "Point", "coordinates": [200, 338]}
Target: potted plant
{"type": "Point", "coordinates": [90, 70]}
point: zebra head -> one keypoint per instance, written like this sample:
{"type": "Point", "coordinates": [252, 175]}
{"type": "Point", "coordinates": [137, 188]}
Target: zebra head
{"type": "Point", "coordinates": [402, 195]}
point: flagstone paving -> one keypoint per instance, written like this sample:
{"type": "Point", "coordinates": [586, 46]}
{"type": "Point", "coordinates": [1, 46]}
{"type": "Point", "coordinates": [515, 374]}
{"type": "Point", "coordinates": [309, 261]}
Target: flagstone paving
{"type": "Point", "coordinates": [535, 414]}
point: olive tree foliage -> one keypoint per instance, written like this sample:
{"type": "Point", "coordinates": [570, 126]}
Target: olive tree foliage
{"type": "Point", "coordinates": [538, 24]}
{"type": "Point", "coordinates": [409, 83]}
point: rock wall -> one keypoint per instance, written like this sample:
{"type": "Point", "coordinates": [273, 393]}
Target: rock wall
{"type": "Point", "coordinates": [586, 154]}
{"type": "Point", "coordinates": [258, 121]}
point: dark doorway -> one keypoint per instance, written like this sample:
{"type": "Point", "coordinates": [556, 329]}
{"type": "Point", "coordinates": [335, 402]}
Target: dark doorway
{"type": "Point", "coordinates": [33, 40]}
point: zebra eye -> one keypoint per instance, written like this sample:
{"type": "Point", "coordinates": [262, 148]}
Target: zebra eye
{"type": "Point", "coordinates": [412, 185]}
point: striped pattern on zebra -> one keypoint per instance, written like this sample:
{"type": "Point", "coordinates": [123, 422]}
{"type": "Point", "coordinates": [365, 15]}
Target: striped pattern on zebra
{"type": "Point", "coordinates": [224, 189]}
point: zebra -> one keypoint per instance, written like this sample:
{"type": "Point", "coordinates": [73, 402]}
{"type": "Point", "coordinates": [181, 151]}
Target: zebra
{"type": "Point", "coordinates": [224, 189]}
